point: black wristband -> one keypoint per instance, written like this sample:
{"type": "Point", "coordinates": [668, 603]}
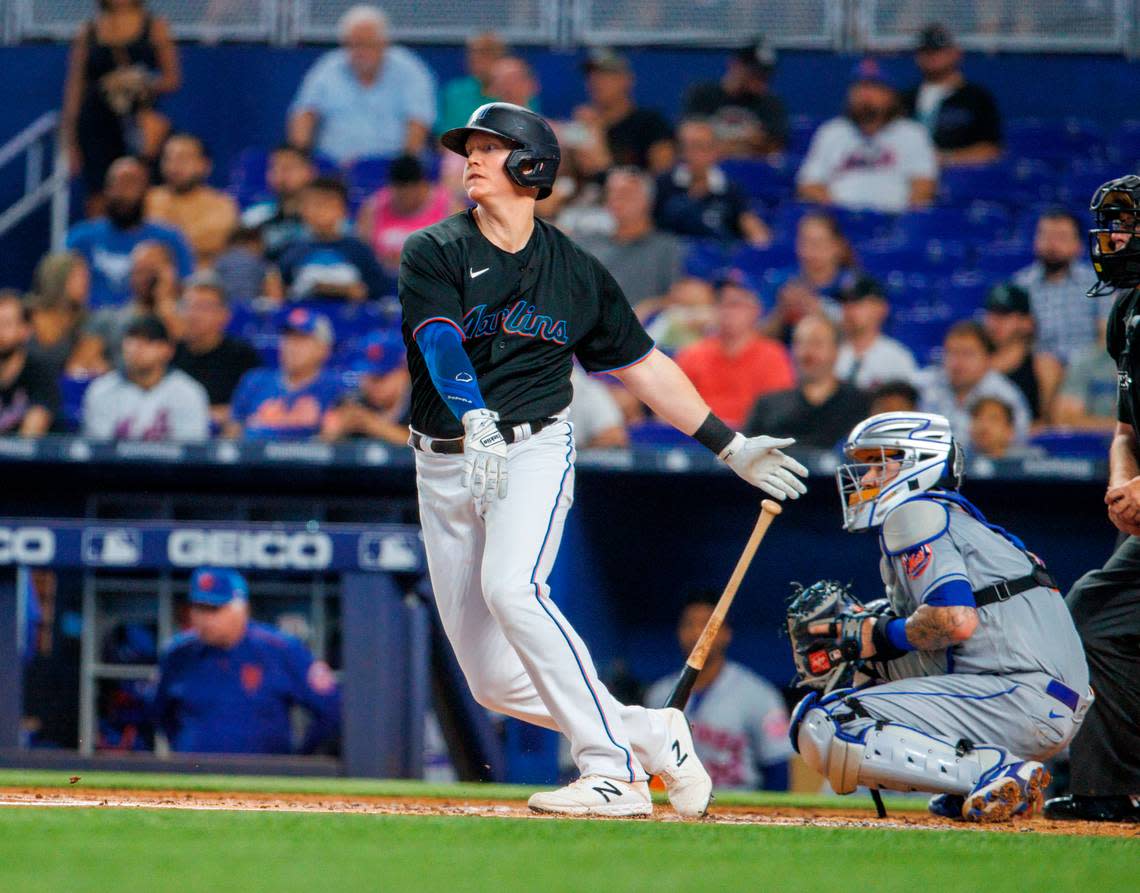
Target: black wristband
{"type": "Point", "coordinates": [885, 649]}
{"type": "Point", "coordinates": [714, 434]}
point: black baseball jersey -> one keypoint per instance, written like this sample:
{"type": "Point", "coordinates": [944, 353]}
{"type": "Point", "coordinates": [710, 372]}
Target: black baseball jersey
{"type": "Point", "coordinates": [1121, 340]}
{"type": "Point", "coordinates": [523, 316]}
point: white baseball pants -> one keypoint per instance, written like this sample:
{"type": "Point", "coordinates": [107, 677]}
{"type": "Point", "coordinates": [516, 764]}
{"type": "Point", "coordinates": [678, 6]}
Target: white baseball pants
{"type": "Point", "coordinates": [489, 564]}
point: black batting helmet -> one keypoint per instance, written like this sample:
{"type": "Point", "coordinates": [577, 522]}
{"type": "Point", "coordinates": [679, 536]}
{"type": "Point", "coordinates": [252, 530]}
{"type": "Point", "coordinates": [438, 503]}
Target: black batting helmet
{"type": "Point", "coordinates": [1116, 209]}
{"type": "Point", "coordinates": [533, 161]}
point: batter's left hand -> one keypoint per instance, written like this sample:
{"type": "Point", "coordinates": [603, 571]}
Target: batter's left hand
{"type": "Point", "coordinates": [759, 461]}
{"type": "Point", "coordinates": [484, 455]}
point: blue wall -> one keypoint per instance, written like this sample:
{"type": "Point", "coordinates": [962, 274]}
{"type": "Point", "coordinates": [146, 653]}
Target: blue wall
{"type": "Point", "coordinates": [237, 95]}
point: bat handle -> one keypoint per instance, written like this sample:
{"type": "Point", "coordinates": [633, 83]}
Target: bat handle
{"type": "Point", "coordinates": [679, 697]}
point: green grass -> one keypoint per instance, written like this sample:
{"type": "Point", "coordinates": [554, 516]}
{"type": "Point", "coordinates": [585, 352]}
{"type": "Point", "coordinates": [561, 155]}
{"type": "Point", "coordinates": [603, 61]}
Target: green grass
{"type": "Point", "coordinates": [108, 849]}
{"type": "Point", "coordinates": [358, 787]}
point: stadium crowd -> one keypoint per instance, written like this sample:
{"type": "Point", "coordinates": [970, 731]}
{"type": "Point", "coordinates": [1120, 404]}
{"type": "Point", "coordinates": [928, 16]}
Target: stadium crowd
{"type": "Point", "coordinates": [798, 269]}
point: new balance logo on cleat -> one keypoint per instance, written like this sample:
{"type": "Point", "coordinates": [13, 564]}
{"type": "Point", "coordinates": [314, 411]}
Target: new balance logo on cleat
{"type": "Point", "coordinates": [677, 751]}
{"type": "Point", "coordinates": [606, 789]}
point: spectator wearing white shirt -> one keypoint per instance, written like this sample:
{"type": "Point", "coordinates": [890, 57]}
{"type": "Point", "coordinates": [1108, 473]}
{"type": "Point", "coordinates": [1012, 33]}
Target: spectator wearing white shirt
{"type": "Point", "coordinates": [597, 418]}
{"type": "Point", "coordinates": [366, 98]}
{"type": "Point", "coordinates": [871, 157]}
{"type": "Point", "coordinates": [965, 377]}
{"type": "Point", "coordinates": [867, 357]}
{"type": "Point", "coordinates": [147, 400]}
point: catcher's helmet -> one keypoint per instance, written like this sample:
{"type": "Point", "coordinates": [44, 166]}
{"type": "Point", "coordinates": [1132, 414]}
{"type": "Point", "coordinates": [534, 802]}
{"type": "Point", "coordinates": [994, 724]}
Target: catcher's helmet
{"type": "Point", "coordinates": [533, 161]}
{"type": "Point", "coordinates": [895, 455]}
{"type": "Point", "coordinates": [1114, 246]}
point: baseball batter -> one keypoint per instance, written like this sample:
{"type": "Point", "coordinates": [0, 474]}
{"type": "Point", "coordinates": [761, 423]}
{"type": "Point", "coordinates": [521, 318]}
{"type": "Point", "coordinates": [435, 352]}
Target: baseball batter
{"type": "Point", "coordinates": [984, 675]}
{"type": "Point", "coordinates": [496, 305]}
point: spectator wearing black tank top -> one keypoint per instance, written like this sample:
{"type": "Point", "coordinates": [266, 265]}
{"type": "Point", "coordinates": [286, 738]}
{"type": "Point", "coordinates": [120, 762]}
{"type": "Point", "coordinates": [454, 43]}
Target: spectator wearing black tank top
{"type": "Point", "coordinates": [1010, 325]}
{"type": "Point", "coordinates": [121, 61]}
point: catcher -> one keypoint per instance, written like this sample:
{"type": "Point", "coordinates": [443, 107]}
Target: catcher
{"type": "Point", "coordinates": [971, 669]}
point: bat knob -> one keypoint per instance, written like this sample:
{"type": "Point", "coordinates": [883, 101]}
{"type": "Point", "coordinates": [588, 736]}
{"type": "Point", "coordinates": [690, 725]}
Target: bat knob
{"type": "Point", "coordinates": [771, 507]}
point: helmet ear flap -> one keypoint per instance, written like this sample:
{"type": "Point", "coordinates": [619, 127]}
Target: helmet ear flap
{"type": "Point", "coordinates": [955, 467]}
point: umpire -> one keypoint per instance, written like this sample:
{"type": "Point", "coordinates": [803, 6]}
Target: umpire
{"type": "Point", "coordinates": [1106, 603]}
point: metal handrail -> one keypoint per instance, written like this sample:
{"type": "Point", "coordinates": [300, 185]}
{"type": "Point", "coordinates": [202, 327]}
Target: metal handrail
{"type": "Point", "coordinates": [55, 188]}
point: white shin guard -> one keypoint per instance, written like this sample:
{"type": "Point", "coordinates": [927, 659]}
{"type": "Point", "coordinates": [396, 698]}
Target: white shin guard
{"type": "Point", "coordinates": [877, 754]}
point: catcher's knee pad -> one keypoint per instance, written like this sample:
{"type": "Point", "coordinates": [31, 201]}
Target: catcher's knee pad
{"type": "Point", "coordinates": [851, 750]}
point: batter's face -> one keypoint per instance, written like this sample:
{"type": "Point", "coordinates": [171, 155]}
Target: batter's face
{"type": "Point", "coordinates": [485, 174]}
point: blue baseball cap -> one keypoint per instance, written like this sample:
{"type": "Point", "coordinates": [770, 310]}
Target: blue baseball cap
{"type": "Point", "coordinates": [308, 322]}
{"type": "Point", "coordinates": [869, 69]}
{"type": "Point", "coordinates": [380, 353]}
{"type": "Point", "coordinates": [217, 586]}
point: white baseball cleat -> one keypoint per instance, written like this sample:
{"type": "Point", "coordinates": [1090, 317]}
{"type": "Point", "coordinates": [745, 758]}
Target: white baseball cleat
{"type": "Point", "coordinates": [1016, 789]}
{"type": "Point", "coordinates": [686, 781]}
{"type": "Point", "coordinates": [595, 795]}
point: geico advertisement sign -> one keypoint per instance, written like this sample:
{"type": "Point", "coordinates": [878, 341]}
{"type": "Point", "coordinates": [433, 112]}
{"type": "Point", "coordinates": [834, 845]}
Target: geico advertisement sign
{"type": "Point", "coordinates": [270, 549]}
{"type": "Point", "coordinates": [26, 545]}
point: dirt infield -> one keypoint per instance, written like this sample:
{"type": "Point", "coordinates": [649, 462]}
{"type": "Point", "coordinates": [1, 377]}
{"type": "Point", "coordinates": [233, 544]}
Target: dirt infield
{"type": "Point", "coordinates": [80, 796]}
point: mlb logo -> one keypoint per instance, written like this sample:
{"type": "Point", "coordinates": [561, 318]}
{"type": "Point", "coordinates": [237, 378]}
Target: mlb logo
{"type": "Point", "coordinates": [387, 552]}
{"type": "Point", "coordinates": [121, 547]}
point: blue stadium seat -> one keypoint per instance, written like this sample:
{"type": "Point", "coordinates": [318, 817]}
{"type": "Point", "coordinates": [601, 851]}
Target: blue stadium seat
{"type": "Point", "coordinates": [71, 391]}
{"type": "Point", "coordinates": [800, 130]}
{"type": "Point", "coordinates": [756, 262]}
{"type": "Point", "coordinates": [1080, 444]}
{"type": "Point", "coordinates": [1079, 184]}
{"type": "Point", "coordinates": [1124, 147]}
{"type": "Point", "coordinates": [1055, 142]}
{"type": "Point", "coordinates": [1003, 259]}
{"type": "Point", "coordinates": [936, 257]}
{"type": "Point", "coordinates": [976, 221]}
{"type": "Point", "coordinates": [760, 180]}
{"type": "Point", "coordinates": [247, 177]}
{"type": "Point", "coordinates": [657, 433]}
{"type": "Point", "coordinates": [364, 176]}
{"type": "Point", "coordinates": [966, 291]}
{"type": "Point", "coordinates": [704, 257]}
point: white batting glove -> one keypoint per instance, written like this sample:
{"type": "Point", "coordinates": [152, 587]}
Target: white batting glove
{"type": "Point", "coordinates": [759, 461]}
{"type": "Point", "coordinates": [484, 455]}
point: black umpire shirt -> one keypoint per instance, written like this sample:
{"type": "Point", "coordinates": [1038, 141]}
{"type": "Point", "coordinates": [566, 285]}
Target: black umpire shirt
{"type": "Point", "coordinates": [523, 316]}
{"type": "Point", "coordinates": [1121, 340]}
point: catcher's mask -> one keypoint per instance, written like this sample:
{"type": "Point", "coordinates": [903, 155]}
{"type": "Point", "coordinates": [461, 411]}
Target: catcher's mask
{"type": "Point", "coordinates": [893, 456]}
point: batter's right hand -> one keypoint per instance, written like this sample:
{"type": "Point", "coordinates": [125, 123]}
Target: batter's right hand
{"type": "Point", "coordinates": [484, 455]}
{"type": "Point", "coordinates": [759, 461]}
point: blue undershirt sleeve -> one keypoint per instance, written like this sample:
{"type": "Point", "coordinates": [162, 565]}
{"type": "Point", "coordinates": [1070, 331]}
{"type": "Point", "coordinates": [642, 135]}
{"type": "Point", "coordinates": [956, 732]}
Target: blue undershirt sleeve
{"type": "Point", "coordinates": [449, 367]}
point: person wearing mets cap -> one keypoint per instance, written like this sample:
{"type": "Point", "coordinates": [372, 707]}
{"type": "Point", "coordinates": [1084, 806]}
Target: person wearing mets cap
{"type": "Point", "coordinates": [496, 306]}
{"type": "Point", "coordinates": [228, 684]}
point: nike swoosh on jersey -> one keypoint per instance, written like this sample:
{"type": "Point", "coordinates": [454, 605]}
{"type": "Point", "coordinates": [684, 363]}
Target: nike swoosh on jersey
{"type": "Point", "coordinates": [475, 274]}
{"type": "Point", "coordinates": [1053, 715]}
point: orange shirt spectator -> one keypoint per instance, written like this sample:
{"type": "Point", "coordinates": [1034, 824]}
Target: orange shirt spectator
{"type": "Point", "coordinates": [736, 364]}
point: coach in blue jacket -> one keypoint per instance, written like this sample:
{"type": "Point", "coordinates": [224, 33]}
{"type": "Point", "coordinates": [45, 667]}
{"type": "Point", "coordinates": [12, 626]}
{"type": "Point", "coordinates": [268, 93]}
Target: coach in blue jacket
{"type": "Point", "coordinates": [227, 684]}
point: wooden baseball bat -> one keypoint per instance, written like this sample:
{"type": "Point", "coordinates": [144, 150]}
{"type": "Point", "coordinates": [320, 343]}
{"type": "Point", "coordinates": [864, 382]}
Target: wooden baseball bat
{"type": "Point", "coordinates": [696, 661]}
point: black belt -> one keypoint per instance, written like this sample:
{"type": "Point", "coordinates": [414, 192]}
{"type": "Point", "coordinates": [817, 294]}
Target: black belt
{"type": "Point", "coordinates": [454, 445]}
{"type": "Point", "coordinates": [1004, 590]}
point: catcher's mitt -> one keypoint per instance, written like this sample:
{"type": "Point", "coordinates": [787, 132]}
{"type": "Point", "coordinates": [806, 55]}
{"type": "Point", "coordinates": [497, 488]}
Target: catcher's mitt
{"type": "Point", "coordinates": [825, 661]}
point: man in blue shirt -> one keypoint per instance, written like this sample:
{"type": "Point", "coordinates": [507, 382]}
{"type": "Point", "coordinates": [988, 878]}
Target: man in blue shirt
{"type": "Point", "coordinates": [106, 243]}
{"type": "Point", "coordinates": [289, 403]}
{"type": "Point", "coordinates": [227, 685]}
{"type": "Point", "coordinates": [367, 98]}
